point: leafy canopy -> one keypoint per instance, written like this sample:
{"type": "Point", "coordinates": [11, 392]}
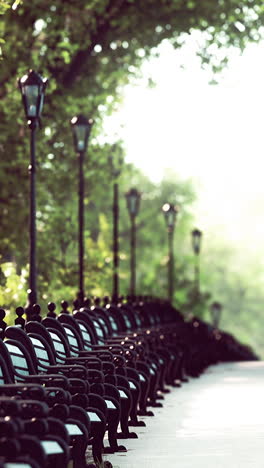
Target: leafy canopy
{"type": "Point", "coordinates": [89, 50]}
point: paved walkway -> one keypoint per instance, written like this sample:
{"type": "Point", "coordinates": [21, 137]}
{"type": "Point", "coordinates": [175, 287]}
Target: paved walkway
{"type": "Point", "coordinates": [216, 421]}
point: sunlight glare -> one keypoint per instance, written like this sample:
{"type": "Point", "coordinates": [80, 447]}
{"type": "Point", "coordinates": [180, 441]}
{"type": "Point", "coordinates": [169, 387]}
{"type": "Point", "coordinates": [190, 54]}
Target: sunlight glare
{"type": "Point", "coordinates": [210, 134]}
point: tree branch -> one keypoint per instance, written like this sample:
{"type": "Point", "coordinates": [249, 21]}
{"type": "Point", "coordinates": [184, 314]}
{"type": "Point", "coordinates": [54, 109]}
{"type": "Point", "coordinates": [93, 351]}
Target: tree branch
{"type": "Point", "coordinates": [80, 59]}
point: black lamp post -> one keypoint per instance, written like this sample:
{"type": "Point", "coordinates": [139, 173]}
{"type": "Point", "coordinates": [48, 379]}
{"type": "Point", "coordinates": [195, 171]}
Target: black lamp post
{"type": "Point", "coordinates": [133, 201]}
{"type": "Point", "coordinates": [115, 166]}
{"type": "Point", "coordinates": [196, 244]}
{"type": "Point", "coordinates": [81, 127]}
{"type": "Point", "coordinates": [32, 87]}
{"type": "Point", "coordinates": [170, 213]}
{"type": "Point", "coordinates": [216, 311]}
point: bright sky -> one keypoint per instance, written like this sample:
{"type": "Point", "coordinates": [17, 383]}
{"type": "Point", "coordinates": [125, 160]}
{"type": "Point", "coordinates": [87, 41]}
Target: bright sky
{"type": "Point", "coordinates": [210, 133]}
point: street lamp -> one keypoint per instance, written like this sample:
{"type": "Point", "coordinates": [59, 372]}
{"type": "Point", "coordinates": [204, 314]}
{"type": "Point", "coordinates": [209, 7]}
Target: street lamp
{"type": "Point", "coordinates": [32, 87]}
{"type": "Point", "coordinates": [115, 167]}
{"type": "Point", "coordinates": [196, 244]}
{"type": "Point", "coordinates": [81, 128]}
{"type": "Point", "coordinates": [216, 311]}
{"type": "Point", "coordinates": [133, 202]}
{"type": "Point", "coordinates": [170, 213]}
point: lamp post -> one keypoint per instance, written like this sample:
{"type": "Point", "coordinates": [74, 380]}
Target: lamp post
{"type": "Point", "coordinates": [81, 127]}
{"type": "Point", "coordinates": [196, 244]}
{"type": "Point", "coordinates": [32, 87]}
{"type": "Point", "coordinates": [216, 311]}
{"type": "Point", "coordinates": [133, 201]}
{"type": "Point", "coordinates": [115, 167]}
{"type": "Point", "coordinates": [170, 213]}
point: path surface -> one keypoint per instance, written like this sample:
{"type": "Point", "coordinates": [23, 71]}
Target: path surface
{"type": "Point", "coordinates": [216, 421]}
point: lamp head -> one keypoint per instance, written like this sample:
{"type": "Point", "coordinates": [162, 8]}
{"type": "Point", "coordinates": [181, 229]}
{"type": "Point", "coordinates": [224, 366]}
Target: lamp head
{"type": "Point", "coordinates": [170, 213]}
{"type": "Point", "coordinates": [133, 201]}
{"type": "Point", "coordinates": [196, 240]}
{"type": "Point", "coordinates": [216, 310]}
{"type": "Point", "coordinates": [116, 162]}
{"type": "Point", "coordinates": [81, 127]}
{"type": "Point", "coordinates": [32, 87]}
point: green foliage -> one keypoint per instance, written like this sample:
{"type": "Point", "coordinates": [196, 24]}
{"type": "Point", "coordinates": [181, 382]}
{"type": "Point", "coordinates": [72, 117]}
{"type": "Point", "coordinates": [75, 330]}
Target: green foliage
{"type": "Point", "coordinates": [12, 285]}
{"type": "Point", "coordinates": [90, 50]}
{"type": "Point", "coordinates": [4, 5]}
{"type": "Point", "coordinates": [238, 286]}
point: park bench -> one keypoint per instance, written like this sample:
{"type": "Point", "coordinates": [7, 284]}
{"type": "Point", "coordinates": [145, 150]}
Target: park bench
{"type": "Point", "coordinates": [15, 335]}
{"type": "Point", "coordinates": [78, 387]}
{"type": "Point", "coordinates": [20, 368]}
{"type": "Point", "coordinates": [101, 393]}
{"type": "Point", "coordinates": [145, 373]}
{"type": "Point", "coordinates": [30, 426]}
{"type": "Point", "coordinates": [16, 447]}
{"type": "Point", "coordinates": [104, 365]}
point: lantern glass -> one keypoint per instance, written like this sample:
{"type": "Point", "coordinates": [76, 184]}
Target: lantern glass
{"type": "Point", "coordinates": [216, 309]}
{"type": "Point", "coordinates": [81, 137]}
{"type": "Point", "coordinates": [171, 215]}
{"type": "Point", "coordinates": [116, 166]}
{"type": "Point", "coordinates": [31, 93]}
{"type": "Point", "coordinates": [196, 240]}
{"type": "Point", "coordinates": [133, 205]}
{"type": "Point", "coordinates": [41, 103]}
{"type": "Point", "coordinates": [133, 199]}
{"type": "Point", "coordinates": [81, 130]}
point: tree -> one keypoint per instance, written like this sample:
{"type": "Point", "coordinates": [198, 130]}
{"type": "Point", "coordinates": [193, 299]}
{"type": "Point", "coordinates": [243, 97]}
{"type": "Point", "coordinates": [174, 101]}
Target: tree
{"type": "Point", "coordinates": [89, 50]}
